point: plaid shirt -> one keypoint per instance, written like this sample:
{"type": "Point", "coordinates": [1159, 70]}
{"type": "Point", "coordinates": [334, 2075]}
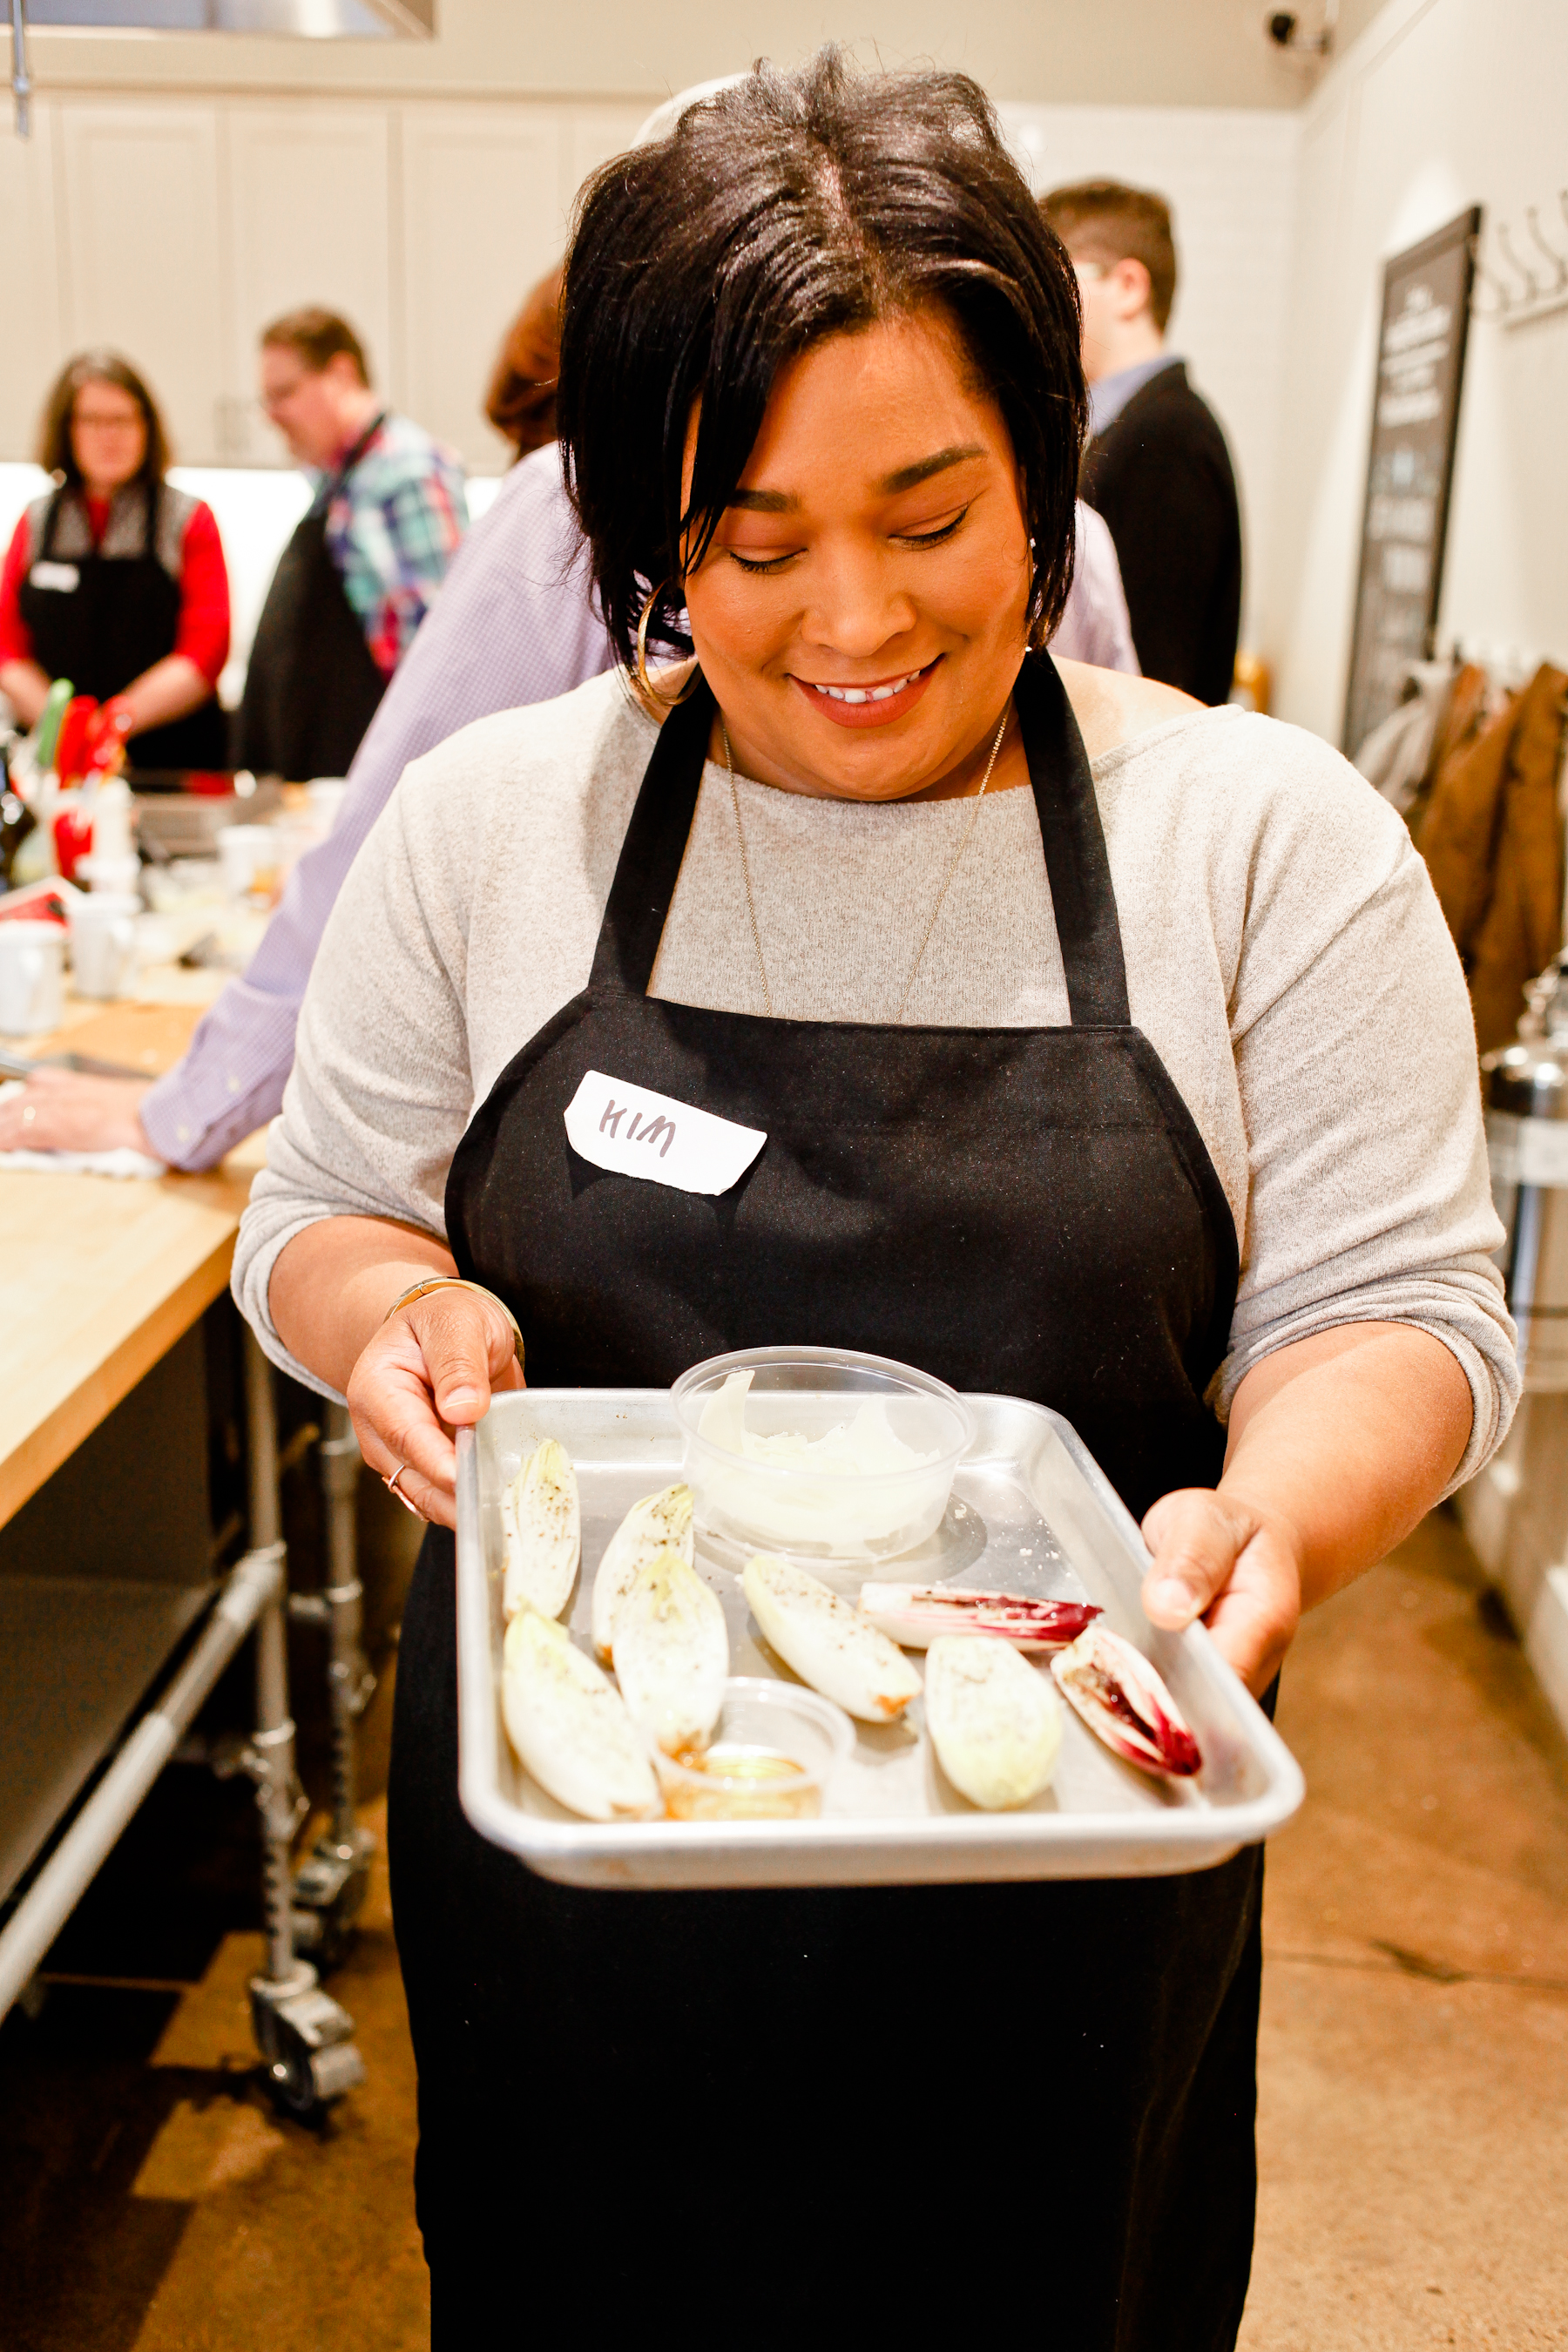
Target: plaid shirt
{"type": "Point", "coordinates": [393, 526]}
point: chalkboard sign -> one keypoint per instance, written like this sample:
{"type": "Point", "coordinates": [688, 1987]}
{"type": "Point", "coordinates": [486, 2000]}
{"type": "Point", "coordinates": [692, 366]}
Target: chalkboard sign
{"type": "Point", "coordinates": [1415, 415]}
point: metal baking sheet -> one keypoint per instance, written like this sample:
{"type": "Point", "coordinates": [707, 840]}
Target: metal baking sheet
{"type": "Point", "coordinates": [1032, 1513]}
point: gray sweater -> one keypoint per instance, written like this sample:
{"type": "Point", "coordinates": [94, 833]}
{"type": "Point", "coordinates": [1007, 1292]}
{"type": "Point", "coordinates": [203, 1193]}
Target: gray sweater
{"type": "Point", "coordinates": [1285, 954]}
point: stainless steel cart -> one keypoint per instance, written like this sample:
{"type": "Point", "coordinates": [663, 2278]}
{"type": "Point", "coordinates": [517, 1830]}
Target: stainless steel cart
{"type": "Point", "coordinates": [75, 1656]}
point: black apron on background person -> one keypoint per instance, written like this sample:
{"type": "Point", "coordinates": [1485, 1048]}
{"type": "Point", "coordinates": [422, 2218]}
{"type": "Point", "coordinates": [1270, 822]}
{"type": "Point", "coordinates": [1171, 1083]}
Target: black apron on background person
{"type": "Point", "coordinates": [915, 2107]}
{"type": "Point", "coordinates": [312, 685]}
{"type": "Point", "coordinates": [122, 615]}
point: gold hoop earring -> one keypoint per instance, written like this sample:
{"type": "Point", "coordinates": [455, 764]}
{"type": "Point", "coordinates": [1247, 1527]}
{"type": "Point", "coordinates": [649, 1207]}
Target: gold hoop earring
{"type": "Point", "coordinates": [668, 702]}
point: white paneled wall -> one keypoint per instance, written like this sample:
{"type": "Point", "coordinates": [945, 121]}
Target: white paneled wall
{"type": "Point", "coordinates": [174, 228]}
{"type": "Point", "coordinates": [480, 223]}
{"type": "Point", "coordinates": [308, 219]}
{"type": "Point", "coordinates": [32, 332]}
{"type": "Point", "coordinates": [1229, 175]}
{"type": "Point", "coordinates": [141, 260]}
{"type": "Point", "coordinates": [1439, 105]}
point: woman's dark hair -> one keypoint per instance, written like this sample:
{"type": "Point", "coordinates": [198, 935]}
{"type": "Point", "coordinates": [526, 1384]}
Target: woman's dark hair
{"type": "Point", "coordinates": [786, 208]}
{"type": "Point", "coordinates": [54, 452]}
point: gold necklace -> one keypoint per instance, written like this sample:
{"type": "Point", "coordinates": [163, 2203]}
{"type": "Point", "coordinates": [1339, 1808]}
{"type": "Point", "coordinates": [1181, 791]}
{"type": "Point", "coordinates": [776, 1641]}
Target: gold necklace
{"type": "Point", "coordinates": [940, 895]}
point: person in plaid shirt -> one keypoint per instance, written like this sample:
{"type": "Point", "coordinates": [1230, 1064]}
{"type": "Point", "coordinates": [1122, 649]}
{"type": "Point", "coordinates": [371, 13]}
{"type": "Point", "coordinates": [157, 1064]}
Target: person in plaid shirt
{"type": "Point", "coordinates": [358, 576]}
{"type": "Point", "coordinates": [393, 527]}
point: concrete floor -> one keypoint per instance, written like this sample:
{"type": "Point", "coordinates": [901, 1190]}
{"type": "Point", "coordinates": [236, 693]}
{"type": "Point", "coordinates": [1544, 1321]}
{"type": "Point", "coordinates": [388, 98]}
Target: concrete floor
{"type": "Point", "coordinates": [1414, 2123]}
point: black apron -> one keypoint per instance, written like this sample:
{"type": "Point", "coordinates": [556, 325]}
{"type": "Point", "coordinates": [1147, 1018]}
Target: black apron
{"type": "Point", "coordinates": [847, 2103]}
{"type": "Point", "coordinates": [312, 684]}
{"type": "Point", "coordinates": [121, 616]}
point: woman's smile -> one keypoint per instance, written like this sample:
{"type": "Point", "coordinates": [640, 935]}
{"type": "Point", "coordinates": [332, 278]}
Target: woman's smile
{"type": "Point", "coordinates": [869, 704]}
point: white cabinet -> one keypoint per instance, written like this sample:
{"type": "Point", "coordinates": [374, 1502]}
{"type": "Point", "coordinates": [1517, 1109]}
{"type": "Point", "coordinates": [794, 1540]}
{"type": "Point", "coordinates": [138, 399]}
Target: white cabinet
{"type": "Point", "coordinates": [309, 217]}
{"type": "Point", "coordinates": [29, 270]}
{"type": "Point", "coordinates": [481, 224]}
{"type": "Point", "coordinates": [140, 254]}
{"type": "Point", "coordinates": [174, 229]}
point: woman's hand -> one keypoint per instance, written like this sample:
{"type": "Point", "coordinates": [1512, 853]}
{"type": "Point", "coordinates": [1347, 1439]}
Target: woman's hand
{"type": "Point", "coordinates": [1339, 1444]}
{"type": "Point", "coordinates": [59, 1110]}
{"type": "Point", "coordinates": [1233, 1566]}
{"type": "Point", "coordinates": [429, 1370]}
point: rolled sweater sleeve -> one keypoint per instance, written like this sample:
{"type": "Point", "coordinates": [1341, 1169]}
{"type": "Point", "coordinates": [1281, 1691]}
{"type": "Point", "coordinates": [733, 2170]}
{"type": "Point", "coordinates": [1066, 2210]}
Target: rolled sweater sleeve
{"type": "Point", "coordinates": [1368, 1195]}
{"type": "Point", "coordinates": [382, 1088]}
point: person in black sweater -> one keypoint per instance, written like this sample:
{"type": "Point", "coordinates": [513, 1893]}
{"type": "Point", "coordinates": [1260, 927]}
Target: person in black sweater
{"type": "Point", "coordinates": [1157, 465]}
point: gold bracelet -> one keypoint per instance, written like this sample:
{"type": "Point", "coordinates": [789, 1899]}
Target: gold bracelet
{"type": "Point", "coordinates": [458, 1282]}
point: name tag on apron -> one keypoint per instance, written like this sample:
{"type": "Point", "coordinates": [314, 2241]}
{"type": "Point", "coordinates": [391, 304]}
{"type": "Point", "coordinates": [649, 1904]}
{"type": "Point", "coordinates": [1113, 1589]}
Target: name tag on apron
{"type": "Point", "coordinates": [63, 576]}
{"type": "Point", "coordinates": [635, 1132]}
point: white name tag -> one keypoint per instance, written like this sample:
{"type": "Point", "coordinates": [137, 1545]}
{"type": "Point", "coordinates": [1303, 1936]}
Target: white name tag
{"type": "Point", "coordinates": [63, 576]}
{"type": "Point", "coordinates": [636, 1132]}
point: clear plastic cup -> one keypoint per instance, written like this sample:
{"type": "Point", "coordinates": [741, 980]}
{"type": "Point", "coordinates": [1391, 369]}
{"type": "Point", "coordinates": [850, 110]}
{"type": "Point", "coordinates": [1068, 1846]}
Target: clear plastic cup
{"type": "Point", "coordinates": [773, 1751]}
{"type": "Point", "coordinates": [812, 1508]}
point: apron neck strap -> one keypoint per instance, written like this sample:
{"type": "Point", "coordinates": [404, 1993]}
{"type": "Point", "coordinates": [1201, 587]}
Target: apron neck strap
{"type": "Point", "coordinates": [1082, 898]}
{"type": "Point", "coordinates": [655, 845]}
{"type": "Point", "coordinates": [1076, 862]}
{"type": "Point", "coordinates": [334, 481]}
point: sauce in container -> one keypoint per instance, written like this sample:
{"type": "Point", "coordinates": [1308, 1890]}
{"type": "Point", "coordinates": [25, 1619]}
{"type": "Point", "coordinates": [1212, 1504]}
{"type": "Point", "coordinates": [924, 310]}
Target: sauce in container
{"type": "Point", "coordinates": [732, 1782]}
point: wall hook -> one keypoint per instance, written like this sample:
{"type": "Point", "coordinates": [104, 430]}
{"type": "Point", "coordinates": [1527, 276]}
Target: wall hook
{"type": "Point", "coordinates": [1502, 303]}
{"type": "Point", "coordinates": [1558, 261]}
{"type": "Point", "coordinates": [1531, 291]}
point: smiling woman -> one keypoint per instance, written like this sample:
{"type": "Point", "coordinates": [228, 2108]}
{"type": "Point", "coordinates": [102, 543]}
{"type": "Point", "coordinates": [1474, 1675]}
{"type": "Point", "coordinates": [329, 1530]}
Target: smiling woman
{"type": "Point", "coordinates": [1093, 1047]}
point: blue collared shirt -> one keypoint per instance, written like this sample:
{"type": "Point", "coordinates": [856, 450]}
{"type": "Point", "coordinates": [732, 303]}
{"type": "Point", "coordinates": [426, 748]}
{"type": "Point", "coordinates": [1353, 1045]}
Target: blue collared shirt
{"type": "Point", "coordinates": [1110, 396]}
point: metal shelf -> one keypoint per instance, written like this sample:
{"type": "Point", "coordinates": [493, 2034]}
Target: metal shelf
{"type": "Point", "coordinates": [77, 1654]}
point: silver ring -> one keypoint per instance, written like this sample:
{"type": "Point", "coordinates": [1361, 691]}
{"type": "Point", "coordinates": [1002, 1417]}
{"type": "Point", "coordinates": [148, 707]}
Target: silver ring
{"type": "Point", "coordinates": [394, 1488]}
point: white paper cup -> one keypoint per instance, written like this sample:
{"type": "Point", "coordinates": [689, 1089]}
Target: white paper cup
{"type": "Point", "coordinates": [325, 798]}
{"type": "Point", "coordinates": [104, 957]}
{"type": "Point", "coordinates": [248, 855]}
{"type": "Point", "coordinates": [32, 977]}
{"type": "Point", "coordinates": [116, 875]}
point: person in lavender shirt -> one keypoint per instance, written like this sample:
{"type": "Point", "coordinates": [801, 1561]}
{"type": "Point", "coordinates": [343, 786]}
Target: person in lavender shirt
{"type": "Point", "coordinates": [514, 623]}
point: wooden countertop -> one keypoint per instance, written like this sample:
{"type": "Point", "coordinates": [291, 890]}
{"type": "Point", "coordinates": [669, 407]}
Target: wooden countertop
{"type": "Point", "coordinates": [99, 1276]}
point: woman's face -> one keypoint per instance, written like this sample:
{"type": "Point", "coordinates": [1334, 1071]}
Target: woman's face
{"type": "Point", "coordinates": [875, 548]}
{"type": "Point", "coordinates": [109, 437]}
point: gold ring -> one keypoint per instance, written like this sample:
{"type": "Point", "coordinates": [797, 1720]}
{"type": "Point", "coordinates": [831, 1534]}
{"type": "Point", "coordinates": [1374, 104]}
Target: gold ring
{"type": "Point", "coordinates": [394, 1488]}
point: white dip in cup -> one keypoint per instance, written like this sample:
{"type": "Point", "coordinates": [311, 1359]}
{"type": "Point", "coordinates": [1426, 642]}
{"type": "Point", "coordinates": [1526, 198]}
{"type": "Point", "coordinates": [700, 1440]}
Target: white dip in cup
{"type": "Point", "coordinates": [822, 1453]}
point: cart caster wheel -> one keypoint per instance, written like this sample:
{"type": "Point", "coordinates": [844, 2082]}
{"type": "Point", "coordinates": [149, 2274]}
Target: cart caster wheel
{"type": "Point", "coordinates": [304, 2086]}
{"type": "Point", "coordinates": [306, 2039]}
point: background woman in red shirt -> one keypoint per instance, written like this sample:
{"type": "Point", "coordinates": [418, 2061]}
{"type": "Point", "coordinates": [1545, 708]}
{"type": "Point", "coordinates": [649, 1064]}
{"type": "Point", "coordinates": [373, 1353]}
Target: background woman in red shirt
{"type": "Point", "coordinates": [113, 579]}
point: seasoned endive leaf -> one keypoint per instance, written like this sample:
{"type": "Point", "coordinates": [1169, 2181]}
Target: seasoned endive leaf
{"type": "Point", "coordinates": [569, 1725]}
{"type": "Point", "coordinates": [658, 1523]}
{"type": "Point", "coordinates": [993, 1721]}
{"type": "Point", "coordinates": [540, 1518]}
{"type": "Point", "coordinates": [1123, 1701]}
{"type": "Point", "coordinates": [913, 1615]}
{"type": "Point", "coordinates": [830, 1645]}
{"type": "Point", "coordinates": [672, 1654]}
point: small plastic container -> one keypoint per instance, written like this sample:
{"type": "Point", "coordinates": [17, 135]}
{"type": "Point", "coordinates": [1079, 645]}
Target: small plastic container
{"type": "Point", "coordinates": [763, 1729]}
{"type": "Point", "coordinates": [806, 1509]}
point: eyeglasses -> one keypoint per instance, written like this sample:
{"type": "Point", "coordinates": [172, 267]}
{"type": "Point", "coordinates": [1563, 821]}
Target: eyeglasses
{"type": "Point", "coordinates": [1089, 273]}
{"type": "Point", "coordinates": [99, 423]}
{"type": "Point", "coordinates": [278, 397]}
